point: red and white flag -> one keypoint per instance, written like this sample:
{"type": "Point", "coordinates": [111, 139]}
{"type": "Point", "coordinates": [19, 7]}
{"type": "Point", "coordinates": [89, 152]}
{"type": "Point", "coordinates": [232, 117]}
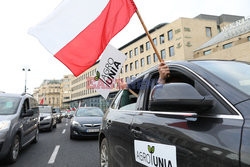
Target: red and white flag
{"type": "Point", "coordinates": [78, 31]}
{"type": "Point", "coordinates": [42, 101]}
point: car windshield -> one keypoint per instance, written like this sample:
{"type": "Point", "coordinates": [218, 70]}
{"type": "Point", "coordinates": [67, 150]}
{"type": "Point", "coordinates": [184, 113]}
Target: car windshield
{"type": "Point", "coordinates": [89, 112]}
{"type": "Point", "coordinates": [8, 105]}
{"type": "Point", "coordinates": [234, 73]}
{"type": "Point", "coordinates": [45, 109]}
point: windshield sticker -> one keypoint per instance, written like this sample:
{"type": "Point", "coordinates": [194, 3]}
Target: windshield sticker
{"type": "Point", "coordinates": [154, 154]}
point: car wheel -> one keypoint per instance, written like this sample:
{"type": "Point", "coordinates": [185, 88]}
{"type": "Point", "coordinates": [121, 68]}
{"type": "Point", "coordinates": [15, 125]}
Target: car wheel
{"type": "Point", "coordinates": [71, 136]}
{"type": "Point", "coordinates": [36, 139]}
{"type": "Point", "coordinates": [14, 150]}
{"type": "Point", "coordinates": [51, 127]}
{"type": "Point", "coordinates": [104, 154]}
{"type": "Point", "coordinates": [54, 126]}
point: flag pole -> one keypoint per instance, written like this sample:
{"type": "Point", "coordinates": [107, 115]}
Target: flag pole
{"type": "Point", "coordinates": [150, 39]}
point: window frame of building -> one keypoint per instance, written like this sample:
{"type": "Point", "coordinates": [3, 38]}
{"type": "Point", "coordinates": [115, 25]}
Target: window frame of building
{"type": "Point", "coordinates": [248, 38]}
{"type": "Point", "coordinates": [142, 62]}
{"type": "Point", "coordinates": [131, 66]}
{"type": "Point", "coordinates": [136, 64]}
{"type": "Point", "coordinates": [141, 48]}
{"type": "Point", "coordinates": [126, 68]}
{"type": "Point", "coordinates": [155, 41]}
{"type": "Point", "coordinates": [163, 54]}
{"type": "Point", "coordinates": [147, 45]}
{"type": "Point", "coordinates": [171, 51]}
{"type": "Point", "coordinates": [155, 57]}
{"type": "Point", "coordinates": [149, 59]}
{"type": "Point", "coordinates": [130, 53]}
{"type": "Point", "coordinates": [228, 45]}
{"type": "Point", "coordinates": [207, 52]}
{"type": "Point", "coordinates": [208, 31]}
{"type": "Point", "coordinates": [170, 35]}
{"type": "Point", "coordinates": [162, 39]}
{"type": "Point", "coordinates": [136, 51]}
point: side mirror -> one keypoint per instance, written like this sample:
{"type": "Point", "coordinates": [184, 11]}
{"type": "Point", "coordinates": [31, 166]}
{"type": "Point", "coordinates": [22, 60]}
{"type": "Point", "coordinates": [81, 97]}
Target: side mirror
{"type": "Point", "coordinates": [29, 113]}
{"type": "Point", "coordinates": [178, 97]}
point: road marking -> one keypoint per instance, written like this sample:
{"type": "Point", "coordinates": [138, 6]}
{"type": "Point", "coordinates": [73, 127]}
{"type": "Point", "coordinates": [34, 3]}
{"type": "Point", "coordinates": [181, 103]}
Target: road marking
{"type": "Point", "coordinates": [54, 154]}
{"type": "Point", "coordinates": [66, 124]}
{"type": "Point", "coordinates": [64, 130]}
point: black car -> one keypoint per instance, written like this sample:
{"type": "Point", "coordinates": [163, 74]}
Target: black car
{"type": "Point", "coordinates": [59, 115]}
{"type": "Point", "coordinates": [86, 122]}
{"type": "Point", "coordinates": [200, 117]}
{"type": "Point", "coordinates": [18, 124]}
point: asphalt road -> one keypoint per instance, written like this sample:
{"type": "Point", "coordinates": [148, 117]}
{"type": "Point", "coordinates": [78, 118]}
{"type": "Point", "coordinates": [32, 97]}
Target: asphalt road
{"type": "Point", "coordinates": [56, 149]}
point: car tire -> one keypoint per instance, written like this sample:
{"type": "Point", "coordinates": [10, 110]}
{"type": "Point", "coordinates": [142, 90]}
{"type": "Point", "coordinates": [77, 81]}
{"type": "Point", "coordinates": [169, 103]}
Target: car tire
{"type": "Point", "coordinates": [51, 127]}
{"type": "Point", "coordinates": [71, 136]}
{"type": "Point", "coordinates": [54, 126]}
{"type": "Point", "coordinates": [105, 157]}
{"type": "Point", "coordinates": [14, 150]}
{"type": "Point", "coordinates": [36, 139]}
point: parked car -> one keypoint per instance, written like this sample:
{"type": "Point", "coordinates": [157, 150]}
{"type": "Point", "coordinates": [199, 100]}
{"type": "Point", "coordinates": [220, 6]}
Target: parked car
{"type": "Point", "coordinates": [47, 118]}
{"type": "Point", "coordinates": [86, 122]}
{"type": "Point", "coordinates": [18, 124]}
{"type": "Point", "coordinates": [64, 114]}
{"type": "Point", "coordinates": [200, 117]}
{"type": "Point", "coordinates": [59, 115]}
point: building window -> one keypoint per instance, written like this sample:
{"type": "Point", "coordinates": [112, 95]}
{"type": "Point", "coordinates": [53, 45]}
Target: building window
{"type": "Point", "coordinates": [248, 38]}
{"type": "Point", "coordinates": [126, 68]}
{"type": "Point", "coordinates": [147, 45]}
{"type": "Point", "coordinates": [208, 32]}
{"type": "Point", "coordinates": [131, 54]}
{"type": "Point", "coordinates": [163, 54]}
{"type": "Point", "coordinates": [228, 45]}
{"type": "Point", "coordinates": [171, 51]}
{"type": "Point", "coordinates": [136, 51]}
{"type": "Point", "coordinates": [155, 41]}
{"type": "Point", "coordinates": [155, 57]}
{"type": "Point", "coordinates": [126, 55]}
{"type": "Point", "coordinates": [136, 64]}
{"type": "Point", "coordinates": [141, 49]}
{"type": "Point", "coordinates": [142, 62]}
{"type": "Point", "coordinates": [148, 59]}
{"type": "Point", "coordinates": [131, 66]}
{"type": "Point", "coordinates": [170, 35]}
{"type": "Point", "coordinates": [207, 52]}
{"type": "Point", "coordinates": [131, 78]}
{"type": "Point", "coordinates": [162, 39]}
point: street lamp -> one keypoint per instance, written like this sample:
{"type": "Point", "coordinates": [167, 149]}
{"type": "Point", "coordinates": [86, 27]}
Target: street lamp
{"type": "Point", "coordinates": [25, 70]}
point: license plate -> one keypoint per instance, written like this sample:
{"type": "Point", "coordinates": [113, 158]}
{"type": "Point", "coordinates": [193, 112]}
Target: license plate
{"type": "Point", "coordinates": [93, 130]}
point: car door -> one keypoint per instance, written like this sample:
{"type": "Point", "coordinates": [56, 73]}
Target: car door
{"type": "Point", "coordinates": [26, 122]}
{"type": "Point", "coordinates": [34, 117]}
{"type": "Point", "coordinates": [187, 138]}
{"type": "Point", "coordinates": [119, 121]}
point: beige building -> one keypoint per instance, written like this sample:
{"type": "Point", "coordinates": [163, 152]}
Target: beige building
{"type": "Point", "coordinates": [49, 90]}
{"type": "Point", "coordinates": [66, 90]}
{"type": "Point", "coordinates": [174, 41]}
{"type": "Point", "coordinates": [233, 43]}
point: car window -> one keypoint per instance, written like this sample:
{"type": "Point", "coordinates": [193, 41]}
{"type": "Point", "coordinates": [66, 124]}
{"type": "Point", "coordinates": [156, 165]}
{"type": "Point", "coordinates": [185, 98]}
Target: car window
{"type": "Point", "coordinates": [184, 77]}
{"type": "Point", "coordinates": [34, 105]}
{"type": "Point", "coordinates": [128, 101]}
{"type": "Point", "coordinates": [9, 105]}
{"type": "Point", "coordinates": [116, 100]}
{"type": "Point", "coordinates": [45, 109]}
{"type": "Point", "coordinates": [26, 106]}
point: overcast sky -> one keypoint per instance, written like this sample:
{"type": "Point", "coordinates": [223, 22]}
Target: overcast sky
{"type": "Point", "coordinates": [18, 49]}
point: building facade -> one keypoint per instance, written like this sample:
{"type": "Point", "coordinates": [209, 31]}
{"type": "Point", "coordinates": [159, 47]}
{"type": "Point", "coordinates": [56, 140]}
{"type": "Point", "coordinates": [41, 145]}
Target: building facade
{"type": "Point", "coordinates": [66, 91]}
{"type": "Point", "coordinates": [50, 92]}
{"type": "Point", "coordinates": [233, 43]}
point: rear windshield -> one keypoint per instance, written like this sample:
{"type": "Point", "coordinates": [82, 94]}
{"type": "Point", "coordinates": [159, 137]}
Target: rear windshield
{"type": "Point", "coordinates": [9, 105]}
{"type": "Point", "coordinates": [234, 73]}
{"type": "Point", "coordinates": [45, 109]}
{"type": "Point", "coordinates": [89, 112]}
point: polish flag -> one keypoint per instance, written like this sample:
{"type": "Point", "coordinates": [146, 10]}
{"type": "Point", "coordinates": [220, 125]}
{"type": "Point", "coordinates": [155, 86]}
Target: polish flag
{"type": "Point", "coordinates": [42, 101]}
{"type": "Point", "coordinates": [78, 31]}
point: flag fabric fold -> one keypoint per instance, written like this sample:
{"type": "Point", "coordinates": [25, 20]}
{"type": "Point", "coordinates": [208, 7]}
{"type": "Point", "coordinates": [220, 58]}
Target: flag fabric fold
{"type": "Point", "coordinates": [78, 31]}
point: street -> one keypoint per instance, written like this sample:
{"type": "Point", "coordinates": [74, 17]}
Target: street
{"type": "Point", "coordinates": [56, 149]}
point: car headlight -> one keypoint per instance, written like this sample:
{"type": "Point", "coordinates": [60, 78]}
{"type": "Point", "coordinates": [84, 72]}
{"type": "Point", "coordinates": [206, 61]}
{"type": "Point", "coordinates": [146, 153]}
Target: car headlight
{"type": "Point", "coordinates": [4, 125]}
{"type": "Point", "coordinates": [48, 117]}
{"type": "Point", "coordinates": [74, 123]}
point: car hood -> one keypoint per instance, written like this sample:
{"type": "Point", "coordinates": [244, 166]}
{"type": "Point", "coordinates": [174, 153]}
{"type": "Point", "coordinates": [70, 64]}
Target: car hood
{"type": "Point", "coordinates": [6, 117]}
{"type": "Point", "coordinates": [90, 120]}
{"type": "Point", "coordinates": [44, 114]}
